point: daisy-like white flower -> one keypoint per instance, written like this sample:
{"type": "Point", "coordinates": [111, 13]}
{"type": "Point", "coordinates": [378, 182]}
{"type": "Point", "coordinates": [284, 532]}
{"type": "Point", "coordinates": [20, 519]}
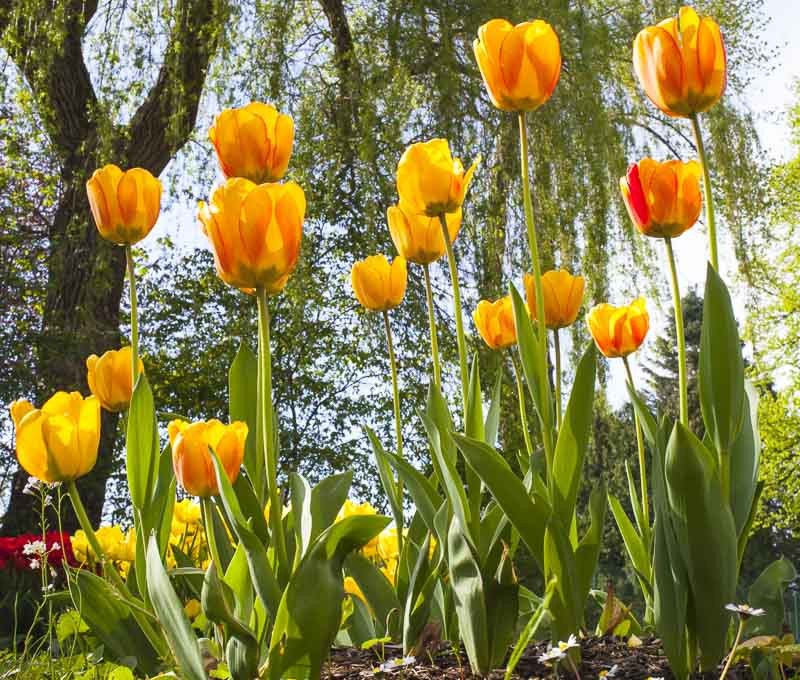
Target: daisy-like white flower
{"type": "Point", "coordinates": [32, 487]}
{"type": "Point", "coordinates": [745, 611]}
{"type": "Point", "coordinates": [560, 651]}
{"type": "Point", "coordinates": [395, 664]}
{"type": "Point", "coordinates": [611, 672]}
{"type": "Point", "coordinates": [34, 548]}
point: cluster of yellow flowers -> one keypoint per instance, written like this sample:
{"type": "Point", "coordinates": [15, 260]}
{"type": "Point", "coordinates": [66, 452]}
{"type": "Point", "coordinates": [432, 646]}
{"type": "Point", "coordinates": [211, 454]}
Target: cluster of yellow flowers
{"type": "Point", "coordinates": [119, 545]}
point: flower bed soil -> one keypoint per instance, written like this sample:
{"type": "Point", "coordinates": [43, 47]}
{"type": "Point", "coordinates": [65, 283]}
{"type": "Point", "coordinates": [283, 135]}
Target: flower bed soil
{"type": "Point", "coordinates": [598, 655]}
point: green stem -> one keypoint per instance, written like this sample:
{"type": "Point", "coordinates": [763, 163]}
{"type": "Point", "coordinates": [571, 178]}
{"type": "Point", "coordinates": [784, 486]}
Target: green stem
{"type": "Point", "coordinates": [437, 370]}
{"type": "Point", "coordinates": [557, 348]}
{"type": "Point", "coordinates": [733, 649]}
{"type": "Point", "coordinates": [640, 447]}
{"type": "Point", "coordinates": [268, 431]}
{"type": "Point", "coordinates": [397, 418]}
{"type": "Point", "coordinates": [462, 343]}
{"type": "Point", "coordinates": [712, 225]}
{"type": "Point", "coordinates": [134, 317]}
{"type": "Point", "coordinates": [547, 435]}
{"type": "Point", "coordinates": [522, 411]}
{"type": "Point", "coordinates": [207, 508]}
{"type": "Point", "coordinates": [676, 302]}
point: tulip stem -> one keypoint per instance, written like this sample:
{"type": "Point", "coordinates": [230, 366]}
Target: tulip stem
{"type": "Point", "coordinates": [207, 508]}
{"type": "Point", "coordinates": [640, 447]}
{"type": "Point", "coordinates": [462, 344]}
{"type": "Point", "coordinates": [733, 649]}
{"type": "Point", "coordinates": [522, 410]}
{"type": "Point", "coordinates": [676, 302]}
{"type": "Point", "coordinates": [710, 219]}
{"type": "Point", "coordinates": [557, 348]}
{"type": "Point", "coordinates": [544, 416]}
{"type": "Point", "coordinates": [397, 422]}
{"type": "Point", "coordinates": [134, 317]}
{"type": "Point", "coordinates": [437, 370]}
{"type": "Point", "coordinates": [268, 434]}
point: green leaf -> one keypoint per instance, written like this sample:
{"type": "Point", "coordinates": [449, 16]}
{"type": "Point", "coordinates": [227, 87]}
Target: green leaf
{"type": "Point", "coordinates": [252, 508]}
{"type": "Point", "coordinates": [529, 517]}
{"type": "Point", "coordinates": [417, 607]}
{"type": "Point", "coordinates": [425, 496]}
{"type": "Point", "coordinates": [218, 606]}
{"type": "Point", "coordinates": [566, 607]}
{"type": "Point", "coordinates": [237, 577]}
{"type": "Point", "coordinates": [636, 506]}
{"type": "Point", "coordinates": [387, 479]}
{"type": "Point", "coordinates": [502, 609]}
{"type": "Point", "coordinates": [492, 424]}
{"type": "Point", "coordinates": [705, 527]}
{"type": "Point", "coordinates": [141, 444]}
{"type": "Point", "coordinates": [721, 369]}
{"type": "Point", "coordinates": [530, 629]}
{"type": "Point", "coordinates": [633, 541]}
{"type": "Point", "coordinates": [573, 437]}
{"type": "Point", "coordinates": [376, 588]}
{"type": "Point", "coordinates": [169, 611]}
{"type": "Point", "coordinates": [745, 456]}
{"type": "Point", "coordinates": [470, 602]}
{"type": "Point", "coordinates": [767, 592]}
{"type": "Point", "coordinates": [242, 398]}
{"type": "Point", "coordinates": [589, 548]}
{"type": "Point", "coordinates": [474, 423]}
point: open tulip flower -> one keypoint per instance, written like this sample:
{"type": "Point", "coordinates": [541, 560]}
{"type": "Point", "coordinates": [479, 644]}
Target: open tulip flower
{"type": "Point", "coordinates": [254, 142]}
{"type": "Point", "coordinates": [663, 199]}
{"type": "Point", "coordinates": [59, 442]}
{"type": "Point", "coordinates": [681, 63]}
{"type": "Point", "coordinates": [418, 237]}
{"type": "Point", "coordinates": [430, 181]}
{"type": "Point", "coordinates": [520, 64]}
{"type": "Point", "coordinates": [191, 459]}
{"type": "Point", "coordinates": [125, 205]}
{"type": "Point", "coordinates": [619, 331]}
{"type": "Point", "coordinates": [109, 378]}
{"type": "Point", "coordinates": [563, 297]}
{"type": "Point", "coordinates": [495, 322]}
{"type": "Point", "coordinates": [378, 285]}
{"type": "Point", "coordinates": [255, 232]}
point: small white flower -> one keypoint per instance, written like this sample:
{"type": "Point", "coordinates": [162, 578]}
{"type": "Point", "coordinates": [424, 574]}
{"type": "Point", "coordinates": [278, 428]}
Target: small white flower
{"type": "Point", "coordinates": [745, 611]}
{"type": "Point", "coordinates": [611, 672]}
{"type": "Point", "coordinates": [53, 573]}
{"type": "Point", "coordinates": [394, 664]}
{"type": "Point", "coordinates": [34, 564]}
{"type": "Point", "coordinates": [559, 652]}
{"type": "Point", "coordinates": [34, 548]}
{"type": "Point", "coordinates": [48, 588]}
{"type": "Point", "coordinates": [55, 546]}
{"type": "Point", "coordinates": [655, 677]}
{"type": "Point", "coordinates": [32, 487]}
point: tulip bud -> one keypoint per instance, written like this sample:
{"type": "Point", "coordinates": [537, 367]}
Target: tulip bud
{"type": "Point", "coordinates": [125, 205]}
{"type": "Point", "coordinates": [419, 238]}
{"type": "Point", "coordinates": [495, 322]}
{"type": "Point", "coordinates": [520, 64]}
{"type": "Point", "coordinates": [255, 232]}
{"type": "Point", "coordinates": [663, 199]}
{"type": "Point", "coordinates": [59, 442]}
{"type": "Point", "coordinates": [619, 331]}
{"type": "Point", "coordinates": [681, 63]}
{"type": "Point", "coordinates": [563, 297]}
{"type": "Point", "coordinates": [254, 142]}
{"type": "Point", "coordinates": [430, 181]}
{"type": "Point", "coordinates": [109, 378]}
{"type": "Point", "coordinates": [191, 460]}
{"type": "Point", "coordinates": [378, 285]}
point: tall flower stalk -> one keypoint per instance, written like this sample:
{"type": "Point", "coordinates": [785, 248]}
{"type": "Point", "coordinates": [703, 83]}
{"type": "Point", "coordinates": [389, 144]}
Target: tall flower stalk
{"type": "Point", "coordinates": [437, 370]}
{"type": "Point", "coordinates": [710, 217]}
{"type": "Point", "coordinates": [640, 449]}
{"type": "Point", "coordinates": [679, 333]}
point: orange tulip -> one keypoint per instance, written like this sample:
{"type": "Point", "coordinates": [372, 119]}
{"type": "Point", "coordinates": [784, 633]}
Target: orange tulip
{"type": "Point", "coordinates": [619, 331]}
{"type": "Point", "coordinates": [495, 322]}
{"type": "Point", "coordinates": [430, 181]}
{"type": "Point", "coordinates": [125, 205]}
{"type": "Point", "coordinates": [109, 378]}
{"type": "Point", "coordinates": [681, 63]}
{"type": "Point", "coordinates": [191, 460]}
{"type": "Point", "coordinates": [563, 297]}
{"type": "Point", "coordinates": [520, 64]}
{"type": "Point", "coordinates": [254, 142]}
{"type": "Point", "coordinates": [255, 232]}
{"type": "Point", "coordinates": [663, 199]}
{"type": "Point", "coordinates": [419, 238]}
{"type": "Point", "coordinates": [378, 285]}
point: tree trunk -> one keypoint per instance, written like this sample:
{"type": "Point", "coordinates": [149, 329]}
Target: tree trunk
{"type": "Point", "coordinates": [85, 273]}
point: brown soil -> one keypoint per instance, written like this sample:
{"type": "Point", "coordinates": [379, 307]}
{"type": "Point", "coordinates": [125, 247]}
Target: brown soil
{"type": "Point", "coordinates": [598, 654]}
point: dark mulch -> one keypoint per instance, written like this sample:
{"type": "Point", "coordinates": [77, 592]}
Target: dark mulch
{"type": "Point", "coordinates": [598, 654]}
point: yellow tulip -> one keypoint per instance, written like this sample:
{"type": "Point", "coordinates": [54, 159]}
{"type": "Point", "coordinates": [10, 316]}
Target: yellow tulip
{"type": "Point", "coordinates": [59, 442]}
{"type": "Point", "coordinates": [520, 64]}
{"type": "Point", "coordinates": [255, 232]}
{"type": "Point", "coordinates": [125, 205]}
{"type": "Point", "coordinates": [191, 460]}
{"type": "Point", "coordinates": [378, 285]}
{"type": "Point", "coordinates": [352, 588]}
{"type": "Point", "coordinates": [563, 297]}
{"type": "Point", "coordinates": [681, 63]}
{"type": "Point", "coordinates": [430, 181]}
{"type": "Point", "coordinates": [187, 512]}
{"type": "Point", "coordinates": [495, 322]}
{"type": "Point", "coordinates": [254, 142]}
{"type": "Point", "coordinates": [192, 608]}
{"type": "Point", "coordinates": [350, 509]}
{"type": "Point", "coordinates": [419, 238]}
{"type": "Point", "coordinates": [663, 199]}
{"type": "Point", "coordinates": [109, 378]}
{"type": "Point", "coordinates": [619, 331]}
